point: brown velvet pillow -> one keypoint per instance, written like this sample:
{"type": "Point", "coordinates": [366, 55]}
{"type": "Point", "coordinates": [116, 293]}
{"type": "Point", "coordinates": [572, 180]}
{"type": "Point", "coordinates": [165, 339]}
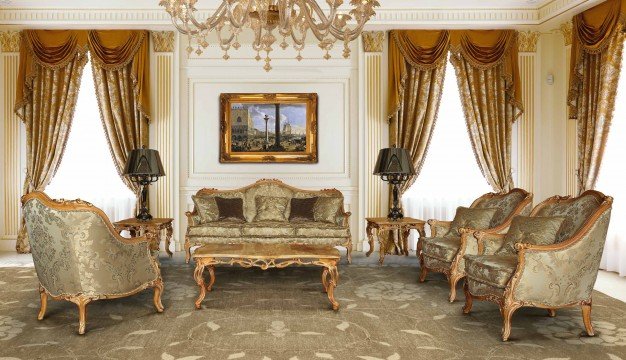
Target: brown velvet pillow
{"type": "Point", "coordinates": [302, 209]}
{"type": "Point", "coordinates": [230, 209]}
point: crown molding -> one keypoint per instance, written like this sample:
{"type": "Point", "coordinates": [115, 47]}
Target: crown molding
{"type": "Point", "coordinates": [386, 18]}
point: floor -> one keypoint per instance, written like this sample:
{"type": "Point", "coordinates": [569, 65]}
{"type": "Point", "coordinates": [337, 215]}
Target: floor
{"type": "Point", "coordinates": [609, 283]}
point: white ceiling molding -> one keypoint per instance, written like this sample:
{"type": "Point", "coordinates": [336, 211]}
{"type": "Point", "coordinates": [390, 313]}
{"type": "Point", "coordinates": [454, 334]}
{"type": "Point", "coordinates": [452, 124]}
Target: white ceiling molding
{"type": "Point", "coordinates": [386, 18]}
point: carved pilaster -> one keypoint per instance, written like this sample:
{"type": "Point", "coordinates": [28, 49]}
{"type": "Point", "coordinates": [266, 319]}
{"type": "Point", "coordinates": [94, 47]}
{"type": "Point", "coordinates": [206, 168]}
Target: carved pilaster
{"type": "Point", "coordinates": [373, 41]}
{"type": "Point", "coordinates": [9, 41]}
{"type": "Point", "coordinates": [566, 30]}
{"type": "Point", "coordinates": [527, 41]}
{"type": "Point", "coordinates": [163, 41]}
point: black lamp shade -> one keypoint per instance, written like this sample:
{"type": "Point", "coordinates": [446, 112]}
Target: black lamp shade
{"type": "Point", "coordinates": [394, 160]}
{"type": "Point", "coordinates": [144, 162]}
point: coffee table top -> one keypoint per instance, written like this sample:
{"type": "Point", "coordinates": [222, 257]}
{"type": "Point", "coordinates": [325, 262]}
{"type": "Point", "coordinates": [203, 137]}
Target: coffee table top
{"type": "Point", "coordinates": [387, 221]}
{"type": "Point", "coordinates": [267, 251]}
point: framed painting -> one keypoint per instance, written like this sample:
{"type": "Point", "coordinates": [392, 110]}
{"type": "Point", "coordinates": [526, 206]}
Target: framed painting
{"type": "Point", "coordinates": [268, 128]}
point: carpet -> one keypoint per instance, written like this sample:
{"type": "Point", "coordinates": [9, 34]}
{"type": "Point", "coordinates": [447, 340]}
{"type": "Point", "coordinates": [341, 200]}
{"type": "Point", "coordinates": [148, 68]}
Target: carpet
{"type": "Point", "coordinates": [283, 314]}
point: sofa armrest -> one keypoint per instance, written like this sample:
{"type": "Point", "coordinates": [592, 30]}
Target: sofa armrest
{"type": "Point", "coordinates": [345, 219]}
{"type": "Point", "coordinates": [438, 227]}
{"type": "Point", "coordinates": [488, 242]}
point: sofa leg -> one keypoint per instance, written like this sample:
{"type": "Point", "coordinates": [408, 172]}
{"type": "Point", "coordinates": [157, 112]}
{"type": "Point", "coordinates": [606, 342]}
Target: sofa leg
{"type": "Point", "coordinates": [469, 300]}
{"type": "Point", "coordinates": [187, 250]}
{"type": "Point", "coordinates": [551, 312]}
{"type": "Point", "coordinates": [586, 309]}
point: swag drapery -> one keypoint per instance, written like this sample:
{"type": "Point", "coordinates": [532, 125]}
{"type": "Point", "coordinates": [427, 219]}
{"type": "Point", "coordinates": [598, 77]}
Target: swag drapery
{"type": "Point", "coordinates": [488, 79]}
{"type": "Point", "coordinates": [597, 42]}
{"type": "Point", "coordinates": [51, 65]}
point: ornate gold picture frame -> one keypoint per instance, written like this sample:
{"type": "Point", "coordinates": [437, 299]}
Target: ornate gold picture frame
{"type": "Point", "coordinates": [251, 133]}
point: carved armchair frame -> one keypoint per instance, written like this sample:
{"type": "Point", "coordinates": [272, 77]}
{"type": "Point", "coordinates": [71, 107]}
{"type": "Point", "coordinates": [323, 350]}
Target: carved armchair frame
{"type": "Point", "coordinates": [82, 300]}
{"type": "Point", "coordinates": [468, 243]}
{"type": "Point", "coordinates": [489, 242]}
{"type": "Point", "coordinates": [212, 191]}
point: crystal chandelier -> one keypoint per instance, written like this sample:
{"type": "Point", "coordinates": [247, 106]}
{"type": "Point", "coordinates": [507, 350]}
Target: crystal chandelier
{"type": "Point", "coordinates": [289, 20]}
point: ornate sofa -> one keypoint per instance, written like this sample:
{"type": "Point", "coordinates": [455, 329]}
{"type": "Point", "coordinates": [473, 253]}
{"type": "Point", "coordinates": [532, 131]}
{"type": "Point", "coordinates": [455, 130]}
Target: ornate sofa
{"type": "Point", "coordinates": [443, 252]}
{"type": "Point", "coordinates": [250, 230]}
{"type": "Point", "coordinates": [552, 276]}
{"type": "Point", "coordinates": [79, 257]}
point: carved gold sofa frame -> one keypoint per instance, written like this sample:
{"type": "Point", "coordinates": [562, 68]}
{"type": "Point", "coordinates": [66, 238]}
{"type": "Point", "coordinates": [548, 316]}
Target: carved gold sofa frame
{"type": "Point", "coordinates": [265, 187]}
{"type": "Point", "coordinates": [549, 276]}
{"type": "Point", "coordinates": [79, 257]}
{"type": "Point", "coordinates": [455, 270]}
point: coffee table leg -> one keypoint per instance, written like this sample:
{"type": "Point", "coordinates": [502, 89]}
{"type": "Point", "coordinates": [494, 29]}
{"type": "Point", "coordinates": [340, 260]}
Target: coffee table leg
{"type": "Point", "coordinates": [168, 239]}
{"type": "Point", "coordinates": [332, 284]}
{"type": "Point", "coordinates": [383, 247]}
{"type": "Point", "coordinates": [370, 238]}
{"type": "Point", "coordinates": [209, 287]}
{"type": "Point", "coordinates": [198, 276]}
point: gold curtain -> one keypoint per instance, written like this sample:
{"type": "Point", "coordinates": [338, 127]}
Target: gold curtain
{"type": "Point", "coordinates": [120, 60]}
{"type": "Point", "coordinates": [488, 78]}
{"type": "Point", "coordinates": [417, 64]}
{"type": "Point", "coordinates": [51, 64]}
{"type": "Point", "coordinates": [597, 43]}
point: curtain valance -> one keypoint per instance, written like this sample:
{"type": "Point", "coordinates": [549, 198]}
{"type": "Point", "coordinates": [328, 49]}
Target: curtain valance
{"type": "Point", "coordinates": [426, 49]}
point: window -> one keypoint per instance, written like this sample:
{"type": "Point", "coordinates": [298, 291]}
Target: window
{"type": "Point", "coordinates": [87, 170]}
{"type": "Point", "coordinates": [450, 176]}
{"type": "Point", "coordinates": [611, 181]}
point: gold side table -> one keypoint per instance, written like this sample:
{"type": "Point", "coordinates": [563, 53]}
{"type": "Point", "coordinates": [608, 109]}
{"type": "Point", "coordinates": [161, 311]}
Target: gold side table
{"type": "Point", "coordinates": [397, 245]}
{"type": "Point", "coordinates": [155, 226]}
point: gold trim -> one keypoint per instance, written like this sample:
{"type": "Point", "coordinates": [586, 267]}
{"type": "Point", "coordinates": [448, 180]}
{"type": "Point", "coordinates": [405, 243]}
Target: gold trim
{"type": "Point", "coordinates": [566, 30]}
{"type": "Point", "coordinates": [527, 41]}
{"type": "Point", "coordinates": [373, 41]}
{"type": "Point", "coordinates": [229, 156]}
{"type": "Point", "coordinates": [9, 41]}
{"type": "Point", "coordinates": [162, 41]}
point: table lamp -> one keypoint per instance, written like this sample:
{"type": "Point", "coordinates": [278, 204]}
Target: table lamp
{"type": "Point", "coordinates": [394, 165]}
{"type": "Point", "coordinates": [144, 167]}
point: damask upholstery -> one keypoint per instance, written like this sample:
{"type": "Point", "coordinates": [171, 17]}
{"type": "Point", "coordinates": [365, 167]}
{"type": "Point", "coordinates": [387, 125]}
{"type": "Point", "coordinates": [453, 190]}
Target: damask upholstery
{"type": "Point", "coordinates": [329, 227]}
{"type": "Point", "coordinates": [558, 274]}
{"type": "Point", "coordinates": [270, 208]}
{"type": "Point", "coordinates": [444, 252]}
{"type": "Point", "coordinates": [78, 256]}
{"type": "Point", "coordinates": [537, 230]}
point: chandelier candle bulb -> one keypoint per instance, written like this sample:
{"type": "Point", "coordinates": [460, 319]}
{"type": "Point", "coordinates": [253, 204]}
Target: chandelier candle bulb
{"type": "Point", "coordinates": [293, 19]}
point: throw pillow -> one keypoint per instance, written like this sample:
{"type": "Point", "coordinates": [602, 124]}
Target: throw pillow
{"type": "Point", "coordinates": [230, 209]}
{"type": "Point", "coordinates": [302, 209]}
{"type": "Point", "coordinates": [536, 230]}
{"type": "Point", "coordinates": [472, 218]}
{"type": "Point", "coordinates": [206, 207]}
{"type": "Point", "coordinates": [270, 208]}
{"type": "Point", "coordinates": [326, 209]}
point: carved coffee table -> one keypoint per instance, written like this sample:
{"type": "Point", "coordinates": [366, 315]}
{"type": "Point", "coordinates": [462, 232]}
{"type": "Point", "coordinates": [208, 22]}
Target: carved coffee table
{"type": "Point", "coordinates": [265, 257]}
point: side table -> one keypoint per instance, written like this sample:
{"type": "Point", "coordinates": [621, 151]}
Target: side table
{"type": "Point", "coordinates": [394, 245]}
{"type": "Point", "coordinates": [155, 226]}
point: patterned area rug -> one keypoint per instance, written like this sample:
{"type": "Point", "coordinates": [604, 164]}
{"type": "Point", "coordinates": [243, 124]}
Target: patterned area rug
{"type": "Point", "coordinates": [283, 314]}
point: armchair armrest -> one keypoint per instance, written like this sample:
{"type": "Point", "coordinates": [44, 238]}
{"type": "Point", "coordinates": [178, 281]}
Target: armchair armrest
{"type": "Point", "coordinates": [438, 227]}
{"type": "Point", "coordinates": [488, 242]}
{"type": "Point", "coordinates": [192, 218]}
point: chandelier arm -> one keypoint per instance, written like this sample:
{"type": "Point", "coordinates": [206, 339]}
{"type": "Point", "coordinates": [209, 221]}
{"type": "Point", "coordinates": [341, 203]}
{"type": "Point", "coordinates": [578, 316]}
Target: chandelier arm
{"type": "Point", "coordinates": [231, 15]}
{"type": "Point", "coordinates": [178, 27]}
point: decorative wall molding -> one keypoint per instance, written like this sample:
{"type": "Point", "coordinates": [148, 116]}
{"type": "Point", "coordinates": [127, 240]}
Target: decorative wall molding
{"type": "Point", "coordinates": [373, 41]}
{"type": "Point", "coordinates": [527, 41]}
{"type": "Point", "coordinates": [12, 145]}
{"type": "Point", "coordinates": [566, 30]}
{"type": "Point", "coordinates": [9, 41]}
{"type": "Point", "coordinates": [526, 124]}
{"type": "Point", "coordinates": [162, 41]}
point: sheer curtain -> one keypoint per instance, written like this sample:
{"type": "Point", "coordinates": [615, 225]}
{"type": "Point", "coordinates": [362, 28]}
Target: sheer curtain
{"type": "Point", "coordinates": [450, 176]}
{"type": "Point", "coordinates": [87, 170]}
{"type": "Point", "coordinates": [611, 181]}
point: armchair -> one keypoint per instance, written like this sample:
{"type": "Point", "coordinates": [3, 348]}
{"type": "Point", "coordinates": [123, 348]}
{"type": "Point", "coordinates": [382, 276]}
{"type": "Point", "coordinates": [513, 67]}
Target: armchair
{"type": "Point", "coordinates": [443, 252]}
{"type": "Point", "coordinates": [79, 257]}
{"type": "Point", "coordinates": [551, 276]}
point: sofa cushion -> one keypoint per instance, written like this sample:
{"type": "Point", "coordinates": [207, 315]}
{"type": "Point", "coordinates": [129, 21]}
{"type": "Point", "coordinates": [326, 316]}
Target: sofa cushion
{"type": "Point", "coordinates": [494, 270]}
{"type": "Point", "coordinates": [302, 209]}
{"type": "Point", "coordinates": [268, 229]}
{"type": "Point", "coordinates": [206, 207]}
{"type": "Point", "coordinates": [441, 248]}
{"type": "Point", "coordinates": [472, 218]}
{"type": "Point", "coordinates": [217, 228]}
{"type": "Point", "coordinates": [319, 229]}
{"type": "Point", "coordinates": [531, 230]}
{"type": "Point", "coordinates": [271, 208]}
{"type": "Point", "coordinates": [327, 208]}
{"type": "Point", "coordinates": [201, 240]}
{"type": "Point", "coordinates": [230, 209]}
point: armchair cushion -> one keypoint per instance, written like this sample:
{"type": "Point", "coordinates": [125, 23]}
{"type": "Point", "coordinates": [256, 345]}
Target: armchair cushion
{"type": "Point", "coordinates": [472, 218]}
{"type": "Point", "coordinates": [327, 208]}
{"type": "Point", "coordinates": [576, 212]}
{"type": "Point", "coordinates": [271, 208]}
{"type": "Point", "coordinates": [230, 209]}
{"type": "Point", "coordinates": [207, 208]}
{"type": "Point", "coordinates": [441, 248]}
{"type": "Point", "coordinates": [505, 204]}
{"type": "Point", "coordinates": [493, 270]}
{"type": "Point", "coordinates": [531, 230]}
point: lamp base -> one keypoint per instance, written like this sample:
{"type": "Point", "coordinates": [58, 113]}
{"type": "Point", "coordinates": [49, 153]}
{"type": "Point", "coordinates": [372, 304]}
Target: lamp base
{"type": "Point", "coordinates": [395, 214]}
{"type": "Point", "coordinates": [144, 215]}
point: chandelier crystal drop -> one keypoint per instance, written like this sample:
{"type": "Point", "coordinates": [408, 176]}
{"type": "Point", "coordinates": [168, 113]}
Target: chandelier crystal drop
{"type": "Point", "coordinates": [287, 21]}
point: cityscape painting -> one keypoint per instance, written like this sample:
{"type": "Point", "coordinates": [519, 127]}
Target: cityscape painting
{"type": "Point", "coordinates": [268, 128]}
